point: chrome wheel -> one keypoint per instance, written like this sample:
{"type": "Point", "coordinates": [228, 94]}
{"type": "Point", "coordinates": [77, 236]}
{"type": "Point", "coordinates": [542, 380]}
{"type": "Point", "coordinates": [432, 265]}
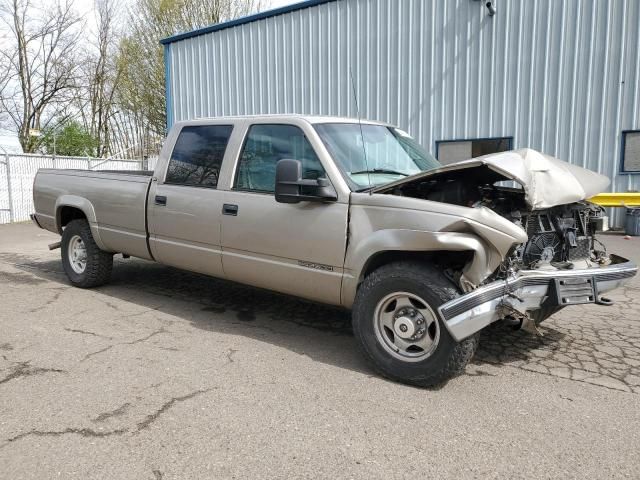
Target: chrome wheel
{"type": "Point", "coordinates": [406, 326]}
{"type": "Point", "coordinates": [77, 253]}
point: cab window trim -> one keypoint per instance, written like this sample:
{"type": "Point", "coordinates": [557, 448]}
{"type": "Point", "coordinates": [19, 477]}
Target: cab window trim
{"type": "Point", "coordinates": [226, 150]}
{"type": "Point", "coordinates": [238, 160]}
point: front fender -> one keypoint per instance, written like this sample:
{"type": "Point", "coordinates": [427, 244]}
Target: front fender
{"type": "Point", "coordinates": [485, 257]}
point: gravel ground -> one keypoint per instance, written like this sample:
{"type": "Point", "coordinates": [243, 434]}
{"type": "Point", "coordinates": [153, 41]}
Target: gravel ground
{"type": "Point", "coordinates": [165, 374]}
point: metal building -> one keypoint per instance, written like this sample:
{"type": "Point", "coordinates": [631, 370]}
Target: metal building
{"type": "Point", "coordinates": [559, 76]}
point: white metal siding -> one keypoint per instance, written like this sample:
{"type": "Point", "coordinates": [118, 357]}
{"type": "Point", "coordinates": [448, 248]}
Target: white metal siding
{"type": "Point", "coordinates": [560, 76]}
{"type": "Point", "coordinates": [18, 171]}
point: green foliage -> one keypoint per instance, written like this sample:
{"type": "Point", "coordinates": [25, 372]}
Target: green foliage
{"type": "Point", "coordinates": [70, 139]}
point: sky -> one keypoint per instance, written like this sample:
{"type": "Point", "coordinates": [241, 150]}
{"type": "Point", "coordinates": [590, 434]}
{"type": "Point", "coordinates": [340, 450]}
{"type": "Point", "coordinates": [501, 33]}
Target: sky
{"type": "Point", "coordinates": [85, 8]}
{"type": "Point", "coordinates": [282, 3]}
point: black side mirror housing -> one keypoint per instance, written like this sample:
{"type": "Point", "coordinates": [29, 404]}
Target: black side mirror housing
{"type": "Point", "coordinates": [292, 188]}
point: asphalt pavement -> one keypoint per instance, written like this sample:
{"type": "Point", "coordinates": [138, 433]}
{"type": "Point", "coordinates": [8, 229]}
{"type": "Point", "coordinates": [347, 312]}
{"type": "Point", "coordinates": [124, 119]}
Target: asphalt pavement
{"type": "Point", "coordinates": [164, 374]}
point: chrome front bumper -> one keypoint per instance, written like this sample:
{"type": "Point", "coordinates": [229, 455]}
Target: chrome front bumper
{"type": "Point", "coordinates": [528, 290]}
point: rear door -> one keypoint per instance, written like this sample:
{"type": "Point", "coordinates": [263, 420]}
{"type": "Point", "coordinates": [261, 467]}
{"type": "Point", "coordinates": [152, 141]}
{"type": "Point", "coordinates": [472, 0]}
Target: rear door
{"type": "Point", "coordinates": [185, 204]}
{"type": "Point", "coordinates": [292, 248]}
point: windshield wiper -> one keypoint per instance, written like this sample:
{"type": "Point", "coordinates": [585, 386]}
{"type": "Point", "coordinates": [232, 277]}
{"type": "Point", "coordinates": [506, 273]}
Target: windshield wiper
{"type": "Point", "coordinates": [381, 170]}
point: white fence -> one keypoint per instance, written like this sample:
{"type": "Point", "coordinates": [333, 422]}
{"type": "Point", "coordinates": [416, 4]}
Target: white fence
{"type": "Point", "coordinates": [17, 172]}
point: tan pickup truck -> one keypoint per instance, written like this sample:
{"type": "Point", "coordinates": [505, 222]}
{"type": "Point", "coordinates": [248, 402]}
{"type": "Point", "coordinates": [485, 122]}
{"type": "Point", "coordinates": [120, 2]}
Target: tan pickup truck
{"type": "Point", "coordinates": [351, 214]}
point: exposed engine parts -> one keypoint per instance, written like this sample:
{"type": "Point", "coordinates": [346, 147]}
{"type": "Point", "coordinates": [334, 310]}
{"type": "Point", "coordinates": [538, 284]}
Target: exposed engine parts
{"type": "Point", "coordinates": [558, 236]}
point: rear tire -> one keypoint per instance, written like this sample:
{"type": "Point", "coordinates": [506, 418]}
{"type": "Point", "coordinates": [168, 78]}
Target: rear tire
{"type": "Point", "coordinates": [84, 263]}
{"type": "Point", "coordinates": [393, 336]}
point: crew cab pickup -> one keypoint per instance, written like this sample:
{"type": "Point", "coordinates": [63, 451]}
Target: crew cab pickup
{"type": "Point", "coordinates": [354, 214]}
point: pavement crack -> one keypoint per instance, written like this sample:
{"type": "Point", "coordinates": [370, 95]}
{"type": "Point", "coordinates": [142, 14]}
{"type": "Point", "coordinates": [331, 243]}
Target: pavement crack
{"type": "Point", "coordinates": [121, 410]}
{"type": "Point", "coordinates": [149, 419]}
{"type": "Point", "coordinates": [144, 339]}
{"type": "Point", "coordinates": [157, 474]}
{"type": "Point", "coordinates": [86, 332]}
{"type": "Point", "coordinates": [479, 373]}
{"type": "Point", "coordinates": [111, 305]}
{"type": "Point", "coordinates": [587, 380]}
{"type": "Point", "coordinates": [230, 353]}
{"type": "Point", "coordinates": [137, 314]}
{"type": "Point", "coordinates": [83, 432]}
{"type": "Point", "coordinates": [91, 354]}
{"type": "Point", "coordinates": [132, 342]}
{"type": "Point", "coordinates": [91, 433]}
{"type": "Point", "coordinates": [51, 301]}
{"type": "Point", "coordinates": [24, 369]}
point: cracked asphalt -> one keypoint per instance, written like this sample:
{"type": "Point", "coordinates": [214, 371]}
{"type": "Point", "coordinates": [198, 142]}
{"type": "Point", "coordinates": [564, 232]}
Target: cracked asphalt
{"type": "Point", "coordinates": [165, 374]}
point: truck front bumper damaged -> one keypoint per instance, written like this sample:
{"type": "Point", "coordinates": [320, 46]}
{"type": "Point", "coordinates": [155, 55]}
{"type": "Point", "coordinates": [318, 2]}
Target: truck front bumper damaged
{"type": "Point", "coordinates": [528, 290]}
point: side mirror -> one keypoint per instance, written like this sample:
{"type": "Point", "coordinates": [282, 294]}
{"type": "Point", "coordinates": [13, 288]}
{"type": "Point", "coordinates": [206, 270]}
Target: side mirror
{"type": "Point", "coordinates": [292, 188]}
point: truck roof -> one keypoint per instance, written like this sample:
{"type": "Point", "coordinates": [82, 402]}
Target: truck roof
{"type": "Point", "coordinates": [313, 119]}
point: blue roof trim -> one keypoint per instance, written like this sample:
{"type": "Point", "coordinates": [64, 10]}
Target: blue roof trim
{"type": "Point", "coordinates": [243, 20]}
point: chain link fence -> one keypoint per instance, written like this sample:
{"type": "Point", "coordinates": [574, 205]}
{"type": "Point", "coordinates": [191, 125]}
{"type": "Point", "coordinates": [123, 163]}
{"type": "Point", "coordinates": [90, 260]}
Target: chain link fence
{"type": "Point", "coordinates": [17, 172]}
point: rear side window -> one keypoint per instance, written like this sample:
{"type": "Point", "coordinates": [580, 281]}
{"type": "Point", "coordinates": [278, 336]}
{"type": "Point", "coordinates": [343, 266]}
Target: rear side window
{"type": "Point", "coordinates": [264, 146]}
{"type": "Point", "coordinates": [197, 155]}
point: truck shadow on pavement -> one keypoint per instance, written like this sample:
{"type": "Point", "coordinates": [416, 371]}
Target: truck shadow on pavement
{"type": "Point", "coordinates": [304, 327]}
{"type": "Point", "coordinates": [572, 349]}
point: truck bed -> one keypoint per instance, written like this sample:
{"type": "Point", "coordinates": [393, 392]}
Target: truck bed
{"type": "Point", "coordinates": [78, 172]}
{"type": "Point", "coordinates": [114, 202]}
{"type": "Point", "coordinates": [144, 173]}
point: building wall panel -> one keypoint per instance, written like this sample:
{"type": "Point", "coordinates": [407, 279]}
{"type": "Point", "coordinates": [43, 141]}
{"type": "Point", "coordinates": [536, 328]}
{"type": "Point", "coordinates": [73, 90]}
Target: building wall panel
{"type": "Point", "coordinates": [560, 76]}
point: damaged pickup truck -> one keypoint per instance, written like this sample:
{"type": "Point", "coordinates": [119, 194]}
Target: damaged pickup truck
{"type": "Point", "coordinates": [350, 214]}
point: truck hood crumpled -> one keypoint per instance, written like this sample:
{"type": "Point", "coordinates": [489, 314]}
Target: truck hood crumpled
{"type": "Point", "coordinates": [547, 181]}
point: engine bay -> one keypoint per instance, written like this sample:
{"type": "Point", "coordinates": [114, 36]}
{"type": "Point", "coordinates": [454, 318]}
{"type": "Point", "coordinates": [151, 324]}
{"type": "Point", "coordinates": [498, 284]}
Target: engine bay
{"type": "Point", "coordinates": [558, 236]}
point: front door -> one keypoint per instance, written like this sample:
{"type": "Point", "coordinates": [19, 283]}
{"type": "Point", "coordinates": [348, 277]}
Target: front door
{"type": "Point", "coordinates": [292, 248]}
{"type": "Point", "coordinates": [185, 206]}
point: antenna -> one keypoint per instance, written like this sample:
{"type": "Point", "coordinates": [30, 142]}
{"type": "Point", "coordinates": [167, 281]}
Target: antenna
{"type": "Point", "coordinates": [364, 149]}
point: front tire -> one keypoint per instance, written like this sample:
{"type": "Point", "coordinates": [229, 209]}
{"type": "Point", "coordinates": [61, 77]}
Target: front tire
{"type": "Point", "coordinates": [397, 328]}
{"type": "Point", "coordinates": [84, 263]}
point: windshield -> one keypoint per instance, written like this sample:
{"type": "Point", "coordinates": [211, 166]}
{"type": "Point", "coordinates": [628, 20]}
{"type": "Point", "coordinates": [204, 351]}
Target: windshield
{"type": "Point", "coordinates": [391, 154]}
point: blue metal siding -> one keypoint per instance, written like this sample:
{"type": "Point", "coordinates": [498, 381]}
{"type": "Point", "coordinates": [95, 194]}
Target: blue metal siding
{"type": "Point", "coordinates": [243, 20]}
{"type": "Point", "coordinates": [167, 84]}
{"type": "Point", "coordinates": [560, 76]}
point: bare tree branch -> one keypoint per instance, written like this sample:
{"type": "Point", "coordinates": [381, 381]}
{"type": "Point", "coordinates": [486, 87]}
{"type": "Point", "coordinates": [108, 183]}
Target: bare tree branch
{"type": "Point", "coordinates": [42, 41]}
{"type": "Point", "coordinates": [142, 87]}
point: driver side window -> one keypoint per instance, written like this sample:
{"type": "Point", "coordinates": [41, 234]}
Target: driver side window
{"type": "Point", "coordinates": [264, 146]}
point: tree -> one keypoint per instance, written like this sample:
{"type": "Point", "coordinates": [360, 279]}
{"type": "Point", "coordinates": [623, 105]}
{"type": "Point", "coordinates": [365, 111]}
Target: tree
{"type": "Point", "coordinates": [103, 74]}
{"type": "Point", "coordinates": [96, 93]}
{"type": "Point", "coordinates": [71, 139]}
{"type": "Point", "coordinates": [142, 89]}
{"type": "Point", "coordinates": [41, 63]}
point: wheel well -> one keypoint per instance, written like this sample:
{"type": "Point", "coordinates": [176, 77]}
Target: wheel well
{"type": "Point", "coordinates": [440, 258]}
{"type": "Point", "coordinates": [66, 214]}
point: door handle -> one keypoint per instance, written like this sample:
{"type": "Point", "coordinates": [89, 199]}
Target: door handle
{"type": "Point", "coordinates": [161, 200]}
{"type": "Point", "coordinates": [228, 209]}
